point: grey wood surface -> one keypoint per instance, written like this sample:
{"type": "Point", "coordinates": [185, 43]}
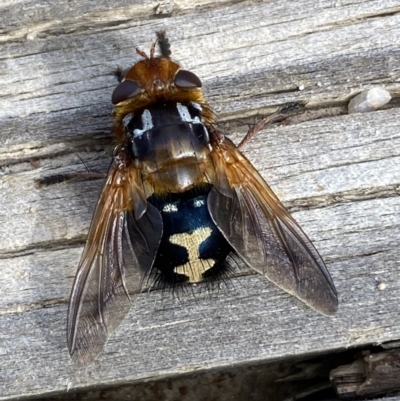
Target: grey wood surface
{"type": "Point", "coordinates": [338, 174]}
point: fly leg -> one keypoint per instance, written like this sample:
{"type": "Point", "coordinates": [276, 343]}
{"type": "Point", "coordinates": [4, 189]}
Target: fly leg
{"type": "Point", "coordinates": [287, 110]}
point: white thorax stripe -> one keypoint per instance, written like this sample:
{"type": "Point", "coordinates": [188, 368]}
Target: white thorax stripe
{"type": "Point", "coordinates": [147, 124]}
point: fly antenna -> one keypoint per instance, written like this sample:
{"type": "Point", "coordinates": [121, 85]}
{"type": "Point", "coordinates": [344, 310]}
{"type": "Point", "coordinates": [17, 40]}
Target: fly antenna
{"type": "Point", "coordinates": [163, 44]}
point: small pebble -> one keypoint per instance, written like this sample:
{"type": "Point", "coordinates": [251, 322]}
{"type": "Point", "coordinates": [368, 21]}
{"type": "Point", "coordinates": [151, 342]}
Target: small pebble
{"type": "Point", "coordinates": [381, 286]}
{"type": "Point", "coordinates": [369, 100]}
{"type": "Point", "coordinates": [31, 36]}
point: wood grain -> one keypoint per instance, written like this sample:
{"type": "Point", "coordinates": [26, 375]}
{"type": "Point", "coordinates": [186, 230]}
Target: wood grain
{"type": "Point", "coordinates": [369, 377]}
{"type": "Point", "coordinates": [338, 174]}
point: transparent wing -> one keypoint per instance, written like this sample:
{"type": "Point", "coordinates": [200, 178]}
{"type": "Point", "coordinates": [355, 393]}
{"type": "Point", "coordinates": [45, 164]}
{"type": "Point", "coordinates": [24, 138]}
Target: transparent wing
{"type": "Point", "coordinates": [118, 255]}
{"type": "Point", "coordinates": [264, 234]}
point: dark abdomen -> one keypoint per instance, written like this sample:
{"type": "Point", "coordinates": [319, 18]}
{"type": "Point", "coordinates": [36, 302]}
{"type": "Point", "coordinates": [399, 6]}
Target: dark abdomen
{"type": "Point", "coordinates": [192, 249]}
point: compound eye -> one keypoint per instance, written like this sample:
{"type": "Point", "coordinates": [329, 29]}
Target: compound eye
{"type": "Point", "coordinates": [125, 90]}
{"type": "Point", "coordinates": [186, 79]}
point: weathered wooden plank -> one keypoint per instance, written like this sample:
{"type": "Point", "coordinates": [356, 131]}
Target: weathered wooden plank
{"type": "Point", "coordinates": [339, 175]}
{"type": "Point", "coordinates": [249, 57]}
{"type": "Point", "coordinates": [253, 321]}
{"type": "Point", "coordinates": [316, 161]}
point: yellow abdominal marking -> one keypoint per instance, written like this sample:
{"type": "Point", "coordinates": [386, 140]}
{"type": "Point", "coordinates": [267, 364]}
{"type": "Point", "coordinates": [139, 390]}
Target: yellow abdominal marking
{"type": "Point", "coordinates": [195, 268]}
